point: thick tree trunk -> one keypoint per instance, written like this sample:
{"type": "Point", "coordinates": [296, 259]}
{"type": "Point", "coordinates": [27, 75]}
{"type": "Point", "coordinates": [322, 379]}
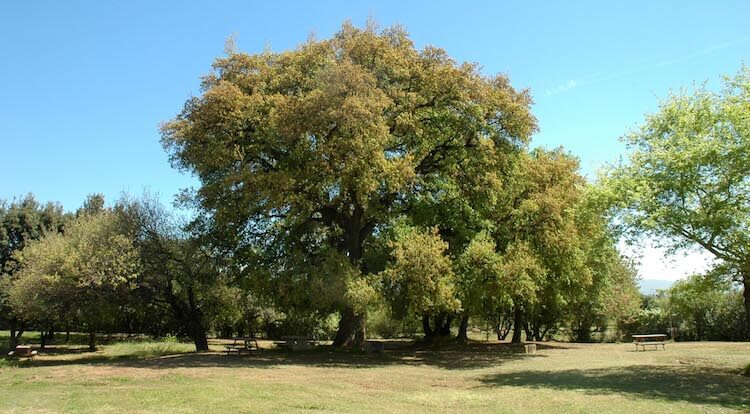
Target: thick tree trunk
{"type": "Point", "coordinates": [463, 327]}
{"type": "Point", "coordinates": [583, 332]}
{"type": "Point", "coordinates": [345, 332]}
{"type": "Point", "coordinates": [439, 321]}
{"type": "Point", "coordinates": [351, 330]}
{"type": "Point", "coordinates": [198, 332]}
{"type": "Point", "coordinates": [517, 326]}
{"type": "Point", "coordinates": [92, 341]}
{"type": "Point", "coordinates": [428, 333]}
{"type": "Point", "coordinates": [200, 339]}
{"type": "Point", "coordinates": [352, 326]}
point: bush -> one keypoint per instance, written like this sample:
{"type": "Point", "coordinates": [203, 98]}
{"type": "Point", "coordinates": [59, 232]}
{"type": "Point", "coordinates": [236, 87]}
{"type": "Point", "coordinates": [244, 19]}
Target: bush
{"type": "Point", "coordinates": [648, 321]}
{"type": "Point", "coordinates": [381, 324]}
{"type": "Point", "coordinates": [311, 325]}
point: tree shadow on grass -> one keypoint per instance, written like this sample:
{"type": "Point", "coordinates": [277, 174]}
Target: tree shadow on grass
{"type": "Point", "coordinates": [454, 357]}
{"type": "Point", "coordinates": [692, 384]}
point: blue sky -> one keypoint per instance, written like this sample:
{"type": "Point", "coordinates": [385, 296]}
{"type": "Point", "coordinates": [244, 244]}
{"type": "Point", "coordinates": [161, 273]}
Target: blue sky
{"type": "Point", "coordinates": [84, 85]}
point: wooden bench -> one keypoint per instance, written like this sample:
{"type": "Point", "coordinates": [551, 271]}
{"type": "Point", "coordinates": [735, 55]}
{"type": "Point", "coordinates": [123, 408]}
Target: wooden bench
{"type": "Point", "coordinates": [649, 339]}
{"type": "Point", "coordinates": [23, 351]}
{"type": "Point", "coordinates": [296, 343]}
{"type": "Point", "coordinates": [242, 346]}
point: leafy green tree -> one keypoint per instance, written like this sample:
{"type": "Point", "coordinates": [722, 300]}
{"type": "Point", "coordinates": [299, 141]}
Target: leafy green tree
{"type": "Point", "coordinates": [612, 295]}
{"type": "Point", "coordinates": [303, 156]}
{"type": "Point", "coordinates": [492, 281]}
{"type": "Point", "coordinates": [700, 301]}
{"type": "Point", "coordinates": [419, 281]}
{"type": "Point", "coordinates": [179, 271]}
{"type": "Point", "coordinates": [688, 179]}
{"type": "Point", "coordinates": [21, 221]}
{"type": "Point", "coordinates": [533, 222]}
{"type": "Point", "coordinates": [76, 274]}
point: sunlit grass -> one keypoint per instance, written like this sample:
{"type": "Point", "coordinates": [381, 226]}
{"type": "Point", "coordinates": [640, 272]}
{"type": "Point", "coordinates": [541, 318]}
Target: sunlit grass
{"type": "Point", "coordinates": [145, 349]}
{"type": "Point", "coordinates": [136, 376]}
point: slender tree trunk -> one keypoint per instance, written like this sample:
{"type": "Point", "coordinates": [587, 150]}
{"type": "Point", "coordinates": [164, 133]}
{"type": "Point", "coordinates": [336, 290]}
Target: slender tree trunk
{"type": "Point", "coordinates": [527, 329]}
{"type": "Point", "coordinates": [92, 341]}
{"type": "Point", "coordinates": [16, 330]}
{"type": "Point", "coordinates": [502, 328]}
{"type": "Point", "coordinates": [540, 335]}
{"type": "Point", "coordinates": [13, 342]}
{"type": "Point", "coordinates": [517, 326]}
{"type": "Point", "coordinates": [445, 328]}
{"type": "Point", "coordinates": [43, 338]}
{"type": "Point", "coordinates": [746, 295]}
{"type": "Point", "coordinates": [463, 327]}
{"type": "Point", "coordinates": [360, 333]}
{"type": "Point", "coordinates": [428, 333]}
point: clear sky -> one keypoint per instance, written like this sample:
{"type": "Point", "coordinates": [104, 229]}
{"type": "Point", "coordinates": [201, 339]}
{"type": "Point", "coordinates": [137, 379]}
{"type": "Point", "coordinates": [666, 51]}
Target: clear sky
{"type": "Point", "coordinates": [84, 85]}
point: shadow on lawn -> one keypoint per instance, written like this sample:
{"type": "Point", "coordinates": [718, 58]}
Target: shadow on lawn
{"type": "Point", "coordinates": [680, 383]}
{"type": "Point", "coordinates": [469, 356]}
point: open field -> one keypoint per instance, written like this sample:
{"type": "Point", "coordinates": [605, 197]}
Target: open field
{"type": "Point", "coordinates": [602, 378]}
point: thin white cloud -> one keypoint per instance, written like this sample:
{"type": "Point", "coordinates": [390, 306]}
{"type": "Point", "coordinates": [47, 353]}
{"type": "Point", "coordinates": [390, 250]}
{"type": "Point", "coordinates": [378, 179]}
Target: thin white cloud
{"type": "Point", "coordinates": [604, 77]}
{"type": "Point", "coordinates": [562, 88]}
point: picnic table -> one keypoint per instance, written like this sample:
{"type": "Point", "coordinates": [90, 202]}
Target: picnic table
{"type": "Point", "coordinates": [23, 351]}
{"type": "Point", "coordinates": [375, 346]}
{"type": "Point", "coordinates": [649, 339]}
{"type": "Point", "coordinates": [242, 345]}
{"type": "Point", "coordinates": [296, 343]}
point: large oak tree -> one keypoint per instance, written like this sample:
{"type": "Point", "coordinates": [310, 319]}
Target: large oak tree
{"type": "Point", "coordinates": [303, 155]}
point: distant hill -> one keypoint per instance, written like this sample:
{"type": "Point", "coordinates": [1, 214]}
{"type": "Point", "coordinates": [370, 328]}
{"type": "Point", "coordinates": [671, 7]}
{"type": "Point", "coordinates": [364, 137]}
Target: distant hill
{"type": "Point", "coordinates": [650, 286]}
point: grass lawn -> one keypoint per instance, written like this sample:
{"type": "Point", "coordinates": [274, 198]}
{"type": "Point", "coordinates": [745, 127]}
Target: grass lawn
{"type": "Point", "coordinates": [165, 377]}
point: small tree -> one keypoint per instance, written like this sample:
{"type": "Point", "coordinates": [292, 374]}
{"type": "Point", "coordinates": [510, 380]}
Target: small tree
{"type": "Point", "coordinates": [75, 275]}
{"type": "Point", "coordinates": [21, 221]}
{"type": "Point", "coordinates": [179, 269]}
{"type": "Point", "coordinates": [420, 281]}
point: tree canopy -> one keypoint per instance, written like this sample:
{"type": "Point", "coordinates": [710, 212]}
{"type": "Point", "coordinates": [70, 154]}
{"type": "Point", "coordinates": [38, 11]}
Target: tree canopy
{"type": "Point", "coordinates": [688, 176]}
{"type": "Point", "coordinates": [314, 150]}
{"type": "Point", "coordinates": [75, 275]}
